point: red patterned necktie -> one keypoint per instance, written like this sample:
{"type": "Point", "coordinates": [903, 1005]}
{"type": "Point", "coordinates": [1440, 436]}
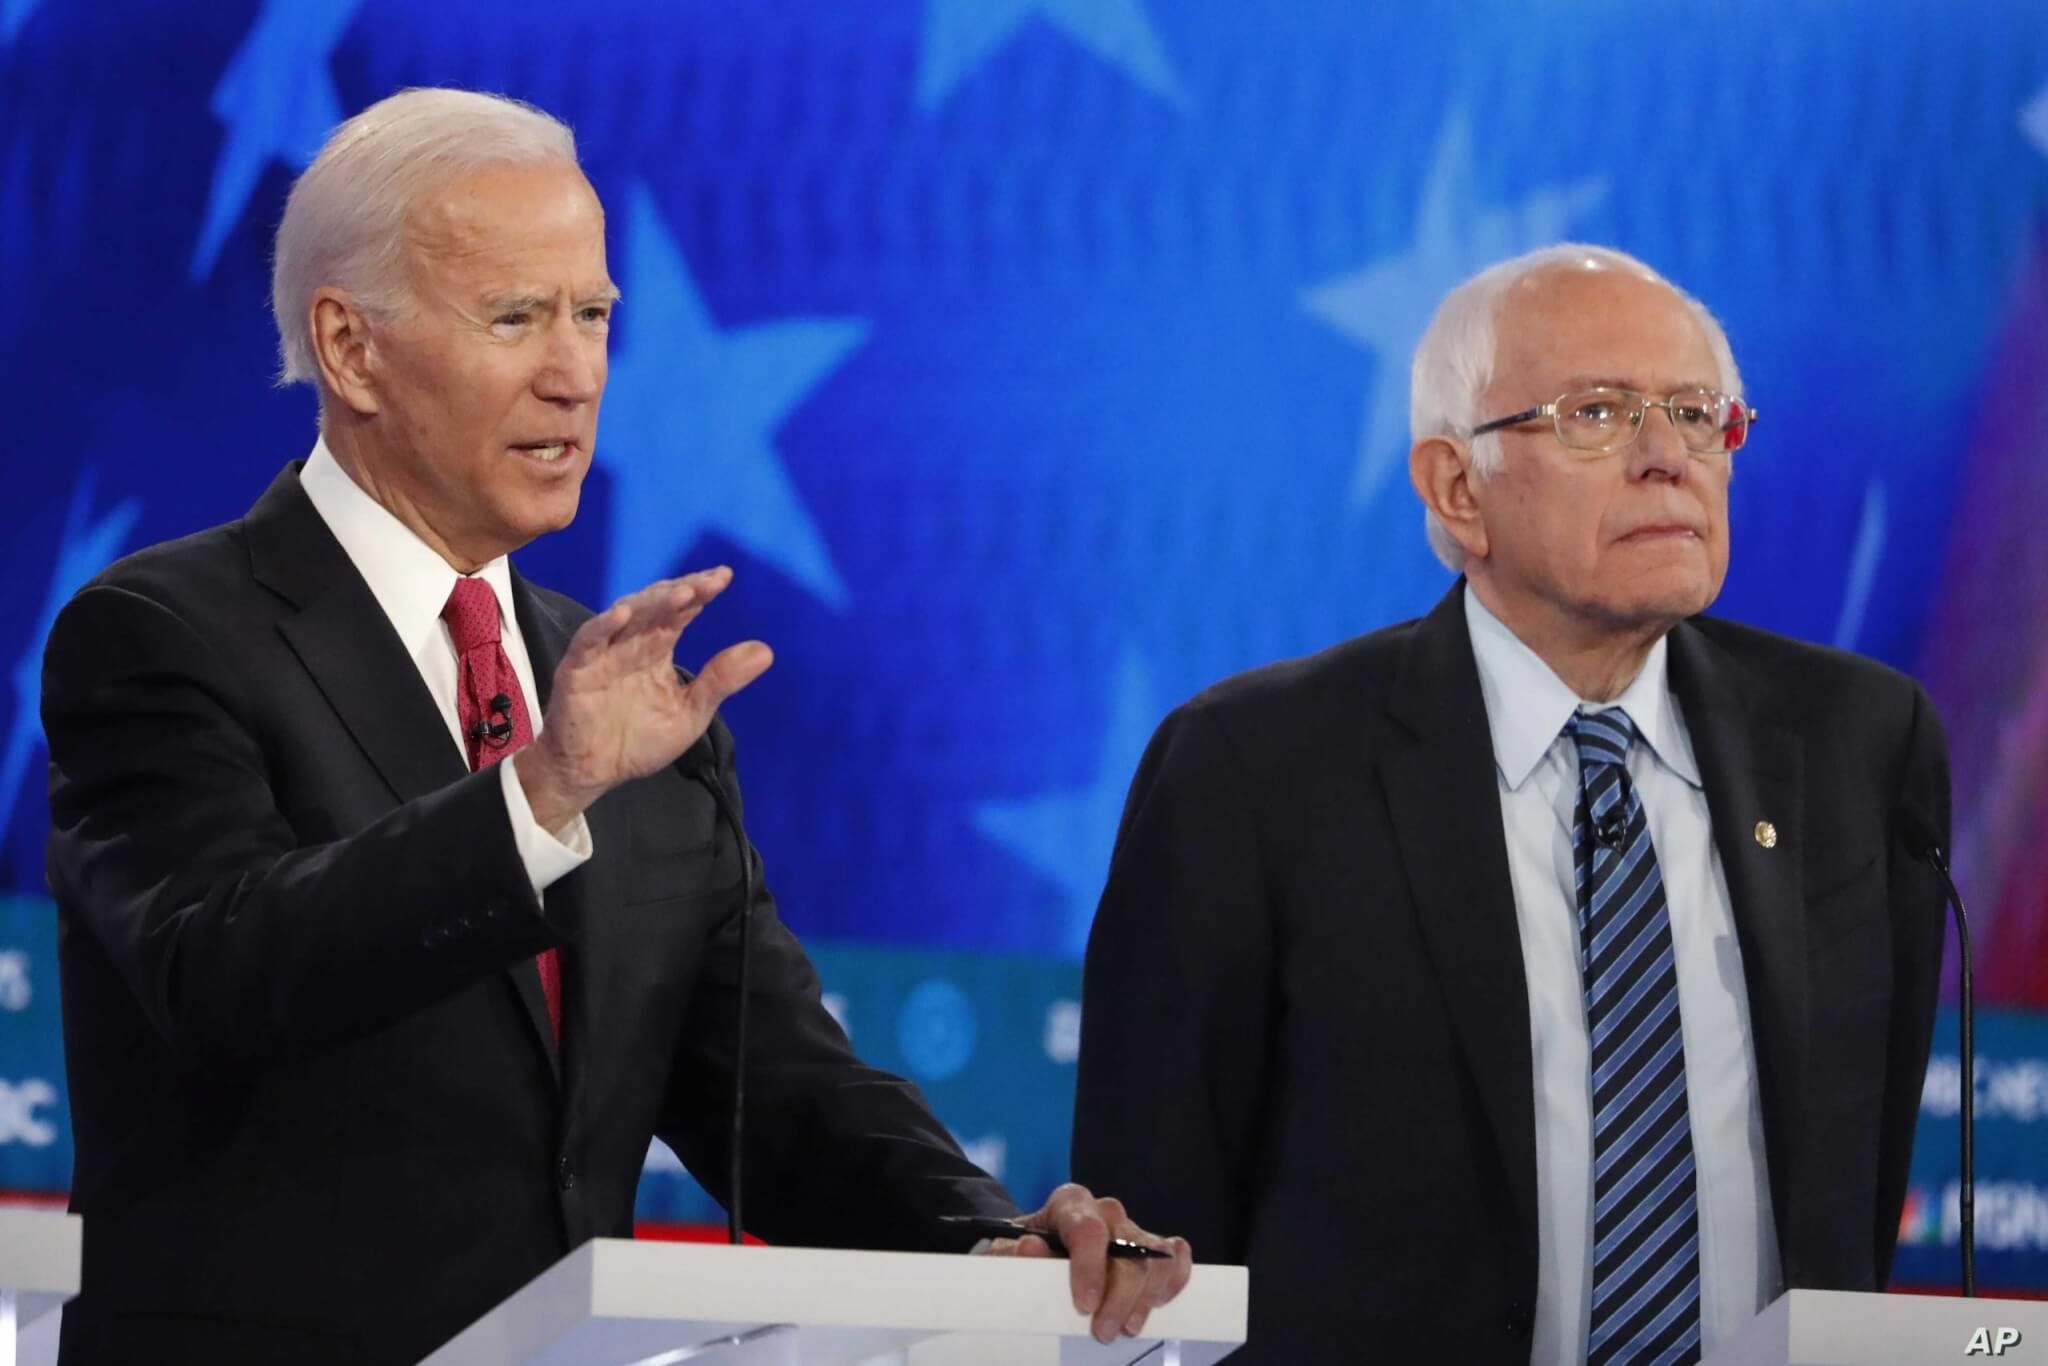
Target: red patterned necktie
{"type": "Point", "coordinates": [492, 710]}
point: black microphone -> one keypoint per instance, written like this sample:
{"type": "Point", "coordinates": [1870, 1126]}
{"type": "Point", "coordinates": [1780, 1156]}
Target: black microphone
{"type": "Point", "coordinates": [1924, 844]}
{"type": "Point", "coordinates": [495, 733]}
{"type": "Point", "coordinates": [1611, 827]}
{"type": "Point", "coordinates": [700, 763]}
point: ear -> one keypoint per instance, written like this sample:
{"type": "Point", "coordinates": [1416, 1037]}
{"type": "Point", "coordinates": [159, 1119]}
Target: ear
{"type": "Point", "coordinates": [343, 350]}
{"type": "Point", "coordinates": [1440, 467]}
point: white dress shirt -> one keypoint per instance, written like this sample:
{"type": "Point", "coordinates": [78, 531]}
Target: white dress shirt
{"type": "Point", "coordinates": [411, 582]}
{"type": "Point", "coordinates": [1527, 706]}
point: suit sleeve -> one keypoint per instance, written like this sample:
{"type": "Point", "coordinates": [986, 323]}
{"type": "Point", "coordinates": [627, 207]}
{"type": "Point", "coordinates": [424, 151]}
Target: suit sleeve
{"type": "Point", "coordinates": [1916, 899]}
{"type": "Point", "coordinates": [838, 1154]}
{"type": "Point", "coordinates": [167, 848]}
{"type": "Point", "coordinates": [1177, 1002]}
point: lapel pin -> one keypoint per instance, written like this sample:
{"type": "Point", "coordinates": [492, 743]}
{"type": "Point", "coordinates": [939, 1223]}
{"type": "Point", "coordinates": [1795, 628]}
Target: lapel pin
{"type": "Point", "coordinates": [1767, 834]}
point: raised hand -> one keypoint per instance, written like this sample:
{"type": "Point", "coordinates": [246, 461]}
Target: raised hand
{"type": "Point", "coordinates": [618, 710]}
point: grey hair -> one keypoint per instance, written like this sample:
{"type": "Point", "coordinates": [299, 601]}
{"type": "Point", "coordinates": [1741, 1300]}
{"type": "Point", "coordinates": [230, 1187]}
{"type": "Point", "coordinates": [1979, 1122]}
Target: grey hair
{"type": "Point", "coordinates": [1455, 358]}
{"type": "Point", "coordinates": [344, 221]}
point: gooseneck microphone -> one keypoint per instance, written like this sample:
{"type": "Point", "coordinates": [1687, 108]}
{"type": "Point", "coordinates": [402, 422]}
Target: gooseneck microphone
{"type": "Point", "coordinates": [701, 764]}
{"type": "Point", "coordinates": [1920, 839]}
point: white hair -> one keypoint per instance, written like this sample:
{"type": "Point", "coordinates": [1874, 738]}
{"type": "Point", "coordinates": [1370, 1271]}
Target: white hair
{"type": "Point", "coordinates": [344, 222]}
{"type": "Point", "coordinates": [1455, 358]}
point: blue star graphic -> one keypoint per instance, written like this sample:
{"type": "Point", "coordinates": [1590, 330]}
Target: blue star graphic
{"type": "Point", "coordinates": [277, 101]}
{"type": "Point", "coordinates": [959, 35]}
{"type": "Point", "coordinates": [690, 422]}
{"type": "Point", "coordinates": [1068, 836]}
{"type": "Point", "coordinates": [1385, 306]}
{"type": "Point", "coordinates": [86, 548]}
{"type": "Point", "coordinates": [14, 14]}
{"type": "Point", "coordinates": [1864, 560]}
{"type": "Point", "coordinates": [2034, 121]}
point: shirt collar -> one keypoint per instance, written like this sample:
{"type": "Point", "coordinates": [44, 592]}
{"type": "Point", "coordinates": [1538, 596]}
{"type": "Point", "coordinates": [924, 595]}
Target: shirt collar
{"type": "Point", "coordinates": [408, 577]}
{"type": "Point", "coordinates": [1527, 704]}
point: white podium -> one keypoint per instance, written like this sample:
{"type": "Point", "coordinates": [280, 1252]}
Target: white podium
{"type": "Point", "coordinates": [1836, 1328]}
{"type": "Point", "coordinates": [618, 1302]}
{"type": "Point", "coordinates": [39, 1266]}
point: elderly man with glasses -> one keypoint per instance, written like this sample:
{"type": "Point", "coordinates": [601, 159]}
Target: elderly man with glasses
{"type": "Point", "coordinates": [1551, 979]}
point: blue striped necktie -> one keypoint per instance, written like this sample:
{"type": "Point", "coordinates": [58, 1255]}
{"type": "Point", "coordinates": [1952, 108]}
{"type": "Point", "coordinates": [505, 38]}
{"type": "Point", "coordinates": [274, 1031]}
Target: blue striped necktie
{"type": "Point", "coordinates": [1646, 1248]}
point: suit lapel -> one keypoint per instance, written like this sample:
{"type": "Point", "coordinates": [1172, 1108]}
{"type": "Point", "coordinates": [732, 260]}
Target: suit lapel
{"type": "Point", "coordinates": [1443, 794]}
{"type": "Point", "coordinates": [356, 659]}
{"type": "Point", "coordinates": [590, 962]}
{"type": "Point", "coordinates": [1753, 772]}
{"type": "Point", "coordinates": [348, 645]}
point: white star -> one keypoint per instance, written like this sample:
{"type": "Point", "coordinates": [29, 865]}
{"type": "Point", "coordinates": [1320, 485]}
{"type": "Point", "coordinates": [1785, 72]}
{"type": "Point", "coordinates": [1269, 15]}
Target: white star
{"type": "Point", "coordinates": [86, 548]}
{"type": "Point", "coordinates": [690, 422]}
{"type": "Point", "coordinates": [1067, 836]}
{"type": "Point", "coordinates": [960, 35]}
{"type": "Point", "coordinates": [277, 101]}
{"type": "Point", "coordinates": [1385, 306]}
{"type": "Point", "coordinates": [2034, 121]}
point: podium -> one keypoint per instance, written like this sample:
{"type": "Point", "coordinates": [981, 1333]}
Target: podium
{"type": "Point", "coordinates": [618, 1302]}
{"type": "Point", "coordinates": [1837, 1328]}
{"type": "Point", "coordinates": [39, 1268]}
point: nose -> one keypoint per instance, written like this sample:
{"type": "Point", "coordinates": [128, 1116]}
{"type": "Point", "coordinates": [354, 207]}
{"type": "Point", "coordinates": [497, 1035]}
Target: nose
{"type": "Point", "coordinates": [1657, 452]}
{"type": "Point", "coordinates": [573, 371]}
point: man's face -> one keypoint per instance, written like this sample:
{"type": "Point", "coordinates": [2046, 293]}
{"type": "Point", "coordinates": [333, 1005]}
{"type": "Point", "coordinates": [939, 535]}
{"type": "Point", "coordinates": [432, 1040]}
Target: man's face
{"type": "Point", "coordinates": [1614, 541]}
{"type": "Point", "coordinates": [488, 386]}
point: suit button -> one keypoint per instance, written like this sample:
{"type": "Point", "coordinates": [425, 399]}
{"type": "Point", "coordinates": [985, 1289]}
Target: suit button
{"type": "Point", "coordinates": [565, 1175]}
{"type": "Point", "coordinates": [1521, 1322]}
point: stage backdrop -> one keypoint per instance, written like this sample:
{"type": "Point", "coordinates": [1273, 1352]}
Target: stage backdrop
{"type": "Point", "coordinates": [1038, 362]}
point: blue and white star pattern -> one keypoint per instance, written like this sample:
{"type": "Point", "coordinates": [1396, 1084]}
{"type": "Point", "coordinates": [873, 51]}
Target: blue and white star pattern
{"type": "Point", "coordinates": [1037, 363]}
{"type": "Point", "coordinates": [960, 35]}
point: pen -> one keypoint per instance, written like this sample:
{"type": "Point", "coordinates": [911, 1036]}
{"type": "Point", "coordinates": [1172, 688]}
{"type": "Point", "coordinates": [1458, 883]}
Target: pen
{"type": "Point", "coordinates": [1009, 1228]}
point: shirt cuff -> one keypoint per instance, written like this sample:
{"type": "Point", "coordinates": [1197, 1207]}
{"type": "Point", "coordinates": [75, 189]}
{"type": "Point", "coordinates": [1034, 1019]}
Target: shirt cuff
{"type": "Point", "coordinates": [549, 856]}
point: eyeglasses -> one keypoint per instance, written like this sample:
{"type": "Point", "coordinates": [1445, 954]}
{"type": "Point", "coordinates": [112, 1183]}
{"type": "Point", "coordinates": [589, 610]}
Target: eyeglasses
{"type": "Point", "coordinates": [1601, 420]}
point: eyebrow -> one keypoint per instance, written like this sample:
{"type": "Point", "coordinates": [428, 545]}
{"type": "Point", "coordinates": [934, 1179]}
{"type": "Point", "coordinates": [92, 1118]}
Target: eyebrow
{"type": "Point", "coordinates": [529, 301]}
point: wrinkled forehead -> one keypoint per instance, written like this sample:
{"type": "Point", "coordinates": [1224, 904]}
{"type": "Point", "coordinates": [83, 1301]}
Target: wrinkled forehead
{"type": "Point", "coordinates": [538, 223]}
{"type": "Point", "coordinates": [1570, 327]}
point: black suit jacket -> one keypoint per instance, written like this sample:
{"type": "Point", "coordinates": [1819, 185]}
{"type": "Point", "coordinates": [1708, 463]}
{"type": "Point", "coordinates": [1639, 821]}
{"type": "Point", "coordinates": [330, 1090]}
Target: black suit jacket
{"type": "Point", "coordinates": [1307, 1040]}
{"type": "Point", "coordinates": [320, 1114]}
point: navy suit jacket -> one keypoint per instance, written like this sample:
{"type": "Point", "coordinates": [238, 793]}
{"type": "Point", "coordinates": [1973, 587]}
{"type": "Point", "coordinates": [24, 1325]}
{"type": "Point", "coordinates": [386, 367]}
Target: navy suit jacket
{"type": "Point", "coordinates": [1306, 978]}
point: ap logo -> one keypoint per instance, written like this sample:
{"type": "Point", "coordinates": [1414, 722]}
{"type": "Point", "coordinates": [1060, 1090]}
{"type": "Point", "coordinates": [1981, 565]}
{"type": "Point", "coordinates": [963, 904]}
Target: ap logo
{"type": "Point", "coordinates": [1992, 1342]}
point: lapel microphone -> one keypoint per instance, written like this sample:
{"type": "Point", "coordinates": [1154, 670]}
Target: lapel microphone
{"type": "Point", "coordinates": [496, 732]}
{"type": "Point", "coordinates": [1920, 839]}
{"type": "Point", "coordinates": [1611, 827]}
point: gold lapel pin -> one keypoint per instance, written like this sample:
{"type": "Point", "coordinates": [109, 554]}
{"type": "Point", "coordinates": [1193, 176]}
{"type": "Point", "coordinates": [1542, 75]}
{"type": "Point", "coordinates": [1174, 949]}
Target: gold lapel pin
{"type": "Point", "coordinates": [1767, 834]}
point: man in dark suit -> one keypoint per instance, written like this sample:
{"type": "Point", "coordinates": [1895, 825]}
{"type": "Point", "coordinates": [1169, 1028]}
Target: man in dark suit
{"type": "Point", "coordinates": [396, 909]}
{"type": "Point", "coordinates": [1551, 978]}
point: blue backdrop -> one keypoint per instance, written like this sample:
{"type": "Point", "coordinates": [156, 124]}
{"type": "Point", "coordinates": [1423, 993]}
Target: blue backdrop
{"type": "Point", "coordinates": [1037, 362]}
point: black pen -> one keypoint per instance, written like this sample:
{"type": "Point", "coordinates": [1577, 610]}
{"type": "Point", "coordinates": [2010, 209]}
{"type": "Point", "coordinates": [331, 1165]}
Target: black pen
{"type": "Point", "coordinates": [988, 1227]}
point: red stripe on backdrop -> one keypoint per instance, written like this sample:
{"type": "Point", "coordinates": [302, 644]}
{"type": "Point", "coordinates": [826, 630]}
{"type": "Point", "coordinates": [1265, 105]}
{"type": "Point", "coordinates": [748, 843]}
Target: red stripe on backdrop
{"type": "Point", "coordinates": [688, 1233]}
{"type": "Point", "coordinates": [1986, 659]}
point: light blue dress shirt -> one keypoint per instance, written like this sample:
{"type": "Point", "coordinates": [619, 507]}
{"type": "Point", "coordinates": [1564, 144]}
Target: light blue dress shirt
{"type": "Point", "coordinates": [1537, 769]}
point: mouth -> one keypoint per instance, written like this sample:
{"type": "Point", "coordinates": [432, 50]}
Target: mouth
{"type": "Point", "coordinates": [548, 452]}
{"type": "Point", "coordinates": [1662, 531]}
